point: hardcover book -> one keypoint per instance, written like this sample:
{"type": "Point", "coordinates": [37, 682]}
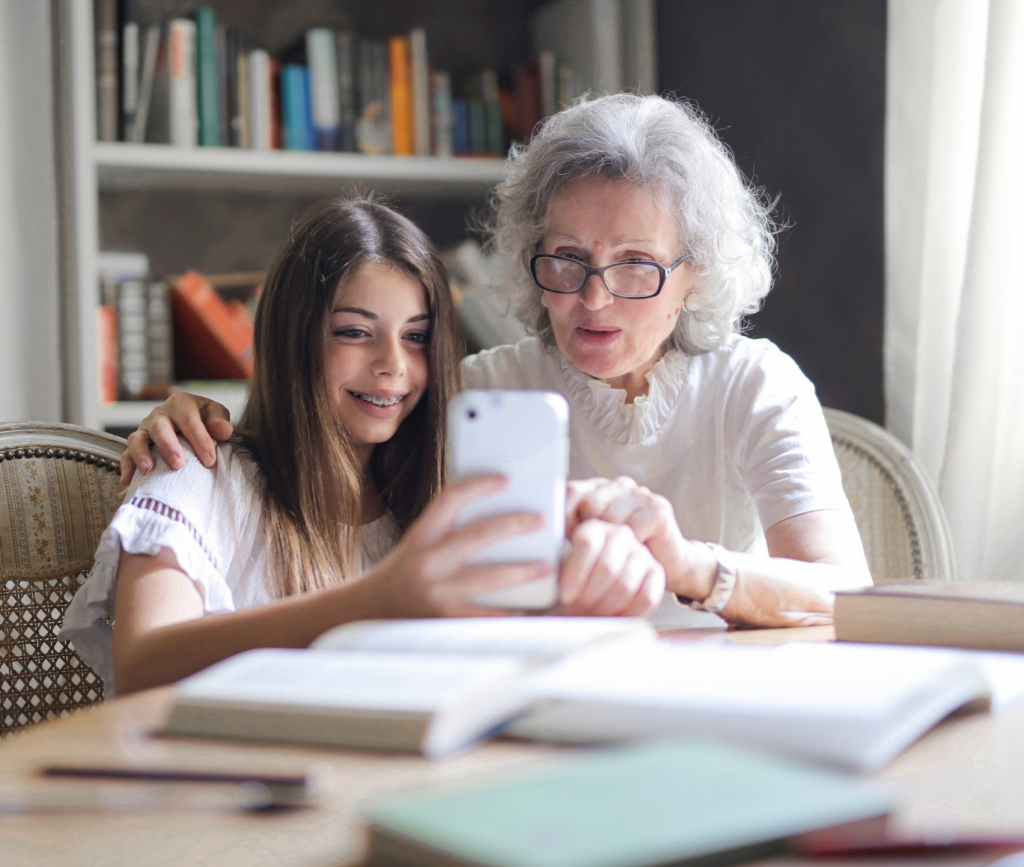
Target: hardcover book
{"type": "Point", "coordinates": [984, 615]}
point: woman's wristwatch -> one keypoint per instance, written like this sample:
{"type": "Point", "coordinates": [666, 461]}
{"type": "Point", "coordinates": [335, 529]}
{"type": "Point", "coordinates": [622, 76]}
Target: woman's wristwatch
{"type": "Point", "coordinates": [725, 582]}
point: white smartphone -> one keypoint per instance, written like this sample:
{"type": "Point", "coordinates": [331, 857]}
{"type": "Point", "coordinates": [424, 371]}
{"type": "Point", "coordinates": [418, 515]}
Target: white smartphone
{"type": "Point", "coordinates": [524, 435]}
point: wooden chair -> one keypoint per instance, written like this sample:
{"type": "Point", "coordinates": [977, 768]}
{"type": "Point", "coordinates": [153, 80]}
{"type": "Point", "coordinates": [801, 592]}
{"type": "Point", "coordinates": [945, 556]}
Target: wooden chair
{"type": "Point", "coordinates": [59, 488]}
{"type": "Point", "coordinates": [898, 512]}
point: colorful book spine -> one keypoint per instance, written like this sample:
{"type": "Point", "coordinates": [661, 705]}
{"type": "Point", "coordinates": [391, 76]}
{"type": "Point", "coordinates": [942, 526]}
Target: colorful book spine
{"type": "Point", "coordinates": [130, 70]}
{"type": "Point", "coordinates": [460, 127]}
{"type": "Point", "coordinates": [147, 83]}
{"type": "Point", "coordinates": [295, 109]}
{"type": "Point", "coordinates": [132, 362]}
{"type": "Point", "coordinates": [206, 77]}
{"type": "Point", "coordinates": [441, 93]}
{"type": "Point", "coordinates": [402, 141]}
{"type": "Point", "coordinates": [419, 78]}
{"type": "Point", "coordinates": [211, 341]}
{"type": "Point", "coordinates": [183, 116]}
{"type": "Point", "coordinates": [107, 79]}
{"type": "Point", "coordinates": [345, 52]}
{"type": "Point", "coordinates": [259, 100]}
{"type": "Point", "coordinates": [322, 57]}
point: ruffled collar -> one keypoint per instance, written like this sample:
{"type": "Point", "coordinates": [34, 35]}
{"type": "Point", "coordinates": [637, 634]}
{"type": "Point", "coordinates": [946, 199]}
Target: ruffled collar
{"type": "Point", "coordinates": [606, 409]}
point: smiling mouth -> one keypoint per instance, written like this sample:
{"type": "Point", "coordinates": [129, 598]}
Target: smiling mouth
{"type": "Point", "coordinates": [378, 401]}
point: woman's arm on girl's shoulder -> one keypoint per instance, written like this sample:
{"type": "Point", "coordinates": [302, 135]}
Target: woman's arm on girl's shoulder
{"type": "Point", "coordinates": [199, 419]}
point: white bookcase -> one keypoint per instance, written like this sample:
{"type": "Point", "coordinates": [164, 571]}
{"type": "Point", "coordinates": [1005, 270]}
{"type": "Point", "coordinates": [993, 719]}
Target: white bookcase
{"type": "Point", "coordinates": [90, 168]}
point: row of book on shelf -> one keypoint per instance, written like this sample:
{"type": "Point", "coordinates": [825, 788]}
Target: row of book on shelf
{"type": "Point", "coordinates": [154, 333]}
{"type": "Point", "coordinates": [191, 81]}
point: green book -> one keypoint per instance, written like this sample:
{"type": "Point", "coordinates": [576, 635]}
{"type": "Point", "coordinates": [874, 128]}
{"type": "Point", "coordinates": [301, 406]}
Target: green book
{"type": "Point", "coordinates": [665, 802]}
{"type": "Point", "coordinates": [206, 77]}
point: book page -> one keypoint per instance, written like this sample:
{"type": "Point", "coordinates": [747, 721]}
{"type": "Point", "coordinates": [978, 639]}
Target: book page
{"type": "Point", "coordinates": [535, 638]}
{"type": "Point", "coordinates": [355, 680]}
{"type": "Point", "coordinates": [865, 683]}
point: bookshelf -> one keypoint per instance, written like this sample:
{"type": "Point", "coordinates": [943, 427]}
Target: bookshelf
{"type": "Point", "coordinates": [93, 173]}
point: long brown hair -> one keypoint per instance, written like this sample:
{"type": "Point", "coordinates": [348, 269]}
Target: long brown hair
{"type": "Point", "coordinates": [313, 486]}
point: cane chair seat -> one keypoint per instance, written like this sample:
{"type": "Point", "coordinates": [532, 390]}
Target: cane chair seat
{"type": "Point", "coordinates": [59, 488]}
{"type": "Point", "coordinates": [898, 513]}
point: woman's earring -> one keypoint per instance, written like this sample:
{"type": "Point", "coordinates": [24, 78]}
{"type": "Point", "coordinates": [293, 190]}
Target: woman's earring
{"type": "Point", "coordinates": [691, 303]}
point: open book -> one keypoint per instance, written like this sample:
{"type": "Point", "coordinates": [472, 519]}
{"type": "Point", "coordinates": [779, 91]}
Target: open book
{"type": "Point", "coordinates": [851, 706]}
{"type": "Point", "coordinates": [433, 686]}
{"type": "Point", "coordinates": [438, 686]}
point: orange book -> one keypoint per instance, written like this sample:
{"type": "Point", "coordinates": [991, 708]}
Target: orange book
{"type": "Point", "coordinates": [402, 143]}
{"type": "Point", "coordinates": [211, 341]}
{"type": "Point", "coordinates": [106, 351]}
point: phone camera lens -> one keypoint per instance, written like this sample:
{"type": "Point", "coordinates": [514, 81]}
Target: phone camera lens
{"type": "Point", "coordinates": [471, 413]}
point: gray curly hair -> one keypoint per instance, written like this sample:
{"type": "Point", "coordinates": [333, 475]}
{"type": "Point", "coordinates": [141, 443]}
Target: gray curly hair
{"type": "Point", "coordinates": [666, 146]}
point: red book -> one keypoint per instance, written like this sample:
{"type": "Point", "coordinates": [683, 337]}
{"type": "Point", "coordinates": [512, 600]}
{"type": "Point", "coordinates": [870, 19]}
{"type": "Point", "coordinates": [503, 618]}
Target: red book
{"type": "Point", "coordinates": [211, 341]}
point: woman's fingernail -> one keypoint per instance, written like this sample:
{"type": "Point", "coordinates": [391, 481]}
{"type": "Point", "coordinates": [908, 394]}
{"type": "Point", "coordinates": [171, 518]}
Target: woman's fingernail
{"type": "Point", "coordinates": [207, 459]}
{"type": "Point", "coordinates": [146, 466]}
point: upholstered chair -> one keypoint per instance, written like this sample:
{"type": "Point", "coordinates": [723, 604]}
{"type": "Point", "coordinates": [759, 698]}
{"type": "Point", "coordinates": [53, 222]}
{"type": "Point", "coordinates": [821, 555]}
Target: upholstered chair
{"type": "Point", "coordinates": [59, 487]}
{"type": "Point", "coordinates": [898, 513]}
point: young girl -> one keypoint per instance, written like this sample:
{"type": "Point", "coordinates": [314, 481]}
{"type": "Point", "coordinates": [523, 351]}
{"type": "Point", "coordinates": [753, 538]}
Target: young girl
{"type": "Point", "coordinates": [339, 453]}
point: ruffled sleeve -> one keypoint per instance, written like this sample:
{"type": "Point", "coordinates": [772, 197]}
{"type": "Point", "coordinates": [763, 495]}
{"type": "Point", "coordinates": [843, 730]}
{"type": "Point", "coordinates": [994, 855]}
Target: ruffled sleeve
{"type": "Point", "coordinates": [204, 517]}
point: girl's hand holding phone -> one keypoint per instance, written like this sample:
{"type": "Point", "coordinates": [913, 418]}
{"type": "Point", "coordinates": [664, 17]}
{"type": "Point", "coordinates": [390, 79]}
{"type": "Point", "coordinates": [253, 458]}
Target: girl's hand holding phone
{"type": "Point", "coordinates": [427, 575]}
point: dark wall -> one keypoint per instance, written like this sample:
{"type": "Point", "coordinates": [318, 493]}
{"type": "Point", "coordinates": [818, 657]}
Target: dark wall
{"type": "Point", "coordinates": [797, 89]}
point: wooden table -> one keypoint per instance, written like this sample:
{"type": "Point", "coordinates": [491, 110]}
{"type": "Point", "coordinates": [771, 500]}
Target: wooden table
{"type": "Point", "coordinates": [966, 775]}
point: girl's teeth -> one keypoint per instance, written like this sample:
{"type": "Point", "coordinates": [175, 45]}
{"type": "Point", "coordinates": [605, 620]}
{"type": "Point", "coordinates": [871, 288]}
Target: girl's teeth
{"type": "Point", "coordinates": [377, 401]}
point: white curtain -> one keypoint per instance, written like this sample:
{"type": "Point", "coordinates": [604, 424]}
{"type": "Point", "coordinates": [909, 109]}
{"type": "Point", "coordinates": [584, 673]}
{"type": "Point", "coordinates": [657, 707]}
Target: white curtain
{"type": "Point", "coordinates": [30, 381]}
{"type": "Point", "coordinates": [954, 234]}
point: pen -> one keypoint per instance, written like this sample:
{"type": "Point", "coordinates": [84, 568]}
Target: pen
{"type": "Point", "coordinates": [170, 775]}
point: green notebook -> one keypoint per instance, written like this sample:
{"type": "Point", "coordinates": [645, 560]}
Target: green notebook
{"type": "Point", "coordinates": [651, 804]}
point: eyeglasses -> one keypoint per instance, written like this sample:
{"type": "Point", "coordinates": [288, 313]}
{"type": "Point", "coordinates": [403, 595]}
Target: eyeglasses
{"type": "Point", "coordinates": [566, 276]}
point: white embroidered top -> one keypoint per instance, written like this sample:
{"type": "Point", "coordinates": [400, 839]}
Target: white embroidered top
{"type": "Point", "coordinates": [735, 438]}
{"type": "Point", "coordinates": [212, 521]}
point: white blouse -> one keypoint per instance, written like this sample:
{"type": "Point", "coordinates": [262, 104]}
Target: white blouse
{"type": "Point", "coordinates": [734, 438]}
{"type": "Point", "coordinates": [212, 521]}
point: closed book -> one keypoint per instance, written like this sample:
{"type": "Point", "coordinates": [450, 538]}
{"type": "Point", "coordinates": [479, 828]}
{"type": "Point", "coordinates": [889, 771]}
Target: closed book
{"type": "Point", "coordinates": [402, 134]}
{"type": "Point", "coordinates": [477, 110]}
{"type": "Point", "coordinates": [210, 341]}
{"type": "Point", "coordinates": [107, 79]}
{"type": "Point", "coordinates": [207, 77]}
{"type": "Point", "coordinates": [159, 339]}
{"type": "Point", "coordinates": [978, 614]}
{"type": "Point", "coordinates": [441, 122]}
{"type": "Point", "coordinates": [460, 127]}
{"type": "Point", "coordinates": [322, 59]}
{"type": "Point", "coordinates": [346, 53]}
{"type": "Point", "coordinates": [419, 76]}
{"type": "Point", "coordinates": [260, 134]}
{"type": "Point", "coordinates": [224, 81]}
{"type": "Point", "coordinates": [241, 121]}
{"type": "Point", "coordinates": [429, 686]}
{"type": "Point", "coordinates": [382, 88]}
{"type": "Point", "coordinates": [131, 51]}
{"type": "Point", "coordinates": [295, 107]}
{"type": "Point", "coordinates": [106, 352]}
{"type": "Point", "coordinates": [147, 83]}
{"type": "Point", "coordinates": [132, 360]}
{"type": "Point", "coordinates": [670, 802]}
{"type": "Point", "coordinates": [182, 105]}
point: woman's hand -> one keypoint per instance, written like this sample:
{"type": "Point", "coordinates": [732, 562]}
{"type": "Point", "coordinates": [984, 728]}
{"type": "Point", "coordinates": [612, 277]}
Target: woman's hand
{"type": "Point", "coordinates": [199, 419]}
{"type": "Point", "coordinates": [689, 566]}
{"type": "Point", "coordinates": [427, 575]}
{"type": "Point", "coordinates": [609, 572]}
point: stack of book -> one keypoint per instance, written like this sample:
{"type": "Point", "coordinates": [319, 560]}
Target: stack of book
{"type": "Point", "coordinates": [194, 81]}
{"type": "Point", "coordinates": [151, 333]}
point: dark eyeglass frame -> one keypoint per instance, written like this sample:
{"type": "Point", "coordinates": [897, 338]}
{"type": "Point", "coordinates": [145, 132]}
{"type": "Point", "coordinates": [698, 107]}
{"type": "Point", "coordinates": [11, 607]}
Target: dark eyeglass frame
{"type": "Point", "coordinates": [663, 271]}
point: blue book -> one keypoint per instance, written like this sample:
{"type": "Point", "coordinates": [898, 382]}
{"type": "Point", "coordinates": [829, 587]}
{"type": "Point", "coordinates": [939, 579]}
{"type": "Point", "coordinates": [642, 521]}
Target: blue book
{"type": "Point", "coordinates": [295, 115]}
{"type": "Point", "coordinates": [306, 95]}
{"type": "Point", "coordinates": [460, 127]}
{"type": "Point", "coordinates": [672, 802]}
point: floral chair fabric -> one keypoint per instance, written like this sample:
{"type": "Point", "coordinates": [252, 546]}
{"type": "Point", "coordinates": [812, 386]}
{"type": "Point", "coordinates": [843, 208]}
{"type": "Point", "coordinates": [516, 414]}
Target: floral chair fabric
{"type": "Point", "coordinates": [59, 487]}
{"type": "Point", "coordinates": [898, 513]}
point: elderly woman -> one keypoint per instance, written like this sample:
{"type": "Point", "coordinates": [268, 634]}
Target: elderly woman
{"type": "Point", "coordinates": [635, 248]}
